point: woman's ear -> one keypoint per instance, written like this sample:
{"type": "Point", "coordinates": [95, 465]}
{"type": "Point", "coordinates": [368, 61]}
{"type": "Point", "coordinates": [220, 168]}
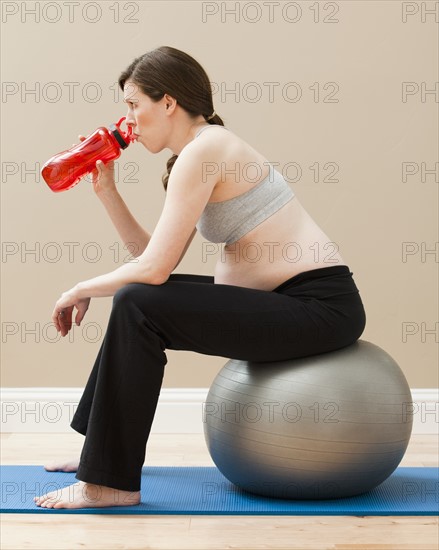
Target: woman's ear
{"type": "Point", "coordinates": [170, 102]}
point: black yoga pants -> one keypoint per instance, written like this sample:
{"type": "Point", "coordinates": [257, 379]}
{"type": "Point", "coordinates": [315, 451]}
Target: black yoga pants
{"type": "Point", "coordinates": [313, 312]}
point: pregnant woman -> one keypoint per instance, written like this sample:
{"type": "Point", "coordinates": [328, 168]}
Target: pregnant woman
{"type": "Point", "coordinates": [280, 289]}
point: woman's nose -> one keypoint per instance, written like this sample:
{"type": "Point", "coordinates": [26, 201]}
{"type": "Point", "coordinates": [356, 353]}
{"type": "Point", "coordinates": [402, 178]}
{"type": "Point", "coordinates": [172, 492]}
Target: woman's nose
{"type": "Point", "coordinates": [129, 120]}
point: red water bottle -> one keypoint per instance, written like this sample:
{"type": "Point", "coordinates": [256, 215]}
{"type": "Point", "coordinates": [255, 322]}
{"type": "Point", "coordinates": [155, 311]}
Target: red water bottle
{"type": "Point", "coordinates": [66, 169]}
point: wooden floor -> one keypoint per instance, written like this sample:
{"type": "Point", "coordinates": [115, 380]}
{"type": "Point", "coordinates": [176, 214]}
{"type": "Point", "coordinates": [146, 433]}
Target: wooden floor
{"type": "Point", "coordinates": [19, 531]}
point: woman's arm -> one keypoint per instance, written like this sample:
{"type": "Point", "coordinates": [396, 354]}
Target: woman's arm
{"type": "Point", "coordinates": [130, 231]}
{"type": "Point", "coordinates": [186, 197]}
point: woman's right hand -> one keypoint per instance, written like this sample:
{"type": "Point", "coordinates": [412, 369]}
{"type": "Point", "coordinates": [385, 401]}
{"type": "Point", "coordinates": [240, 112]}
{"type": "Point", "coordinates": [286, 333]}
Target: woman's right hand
{"type": "Point", "coordinates": [102, 175]}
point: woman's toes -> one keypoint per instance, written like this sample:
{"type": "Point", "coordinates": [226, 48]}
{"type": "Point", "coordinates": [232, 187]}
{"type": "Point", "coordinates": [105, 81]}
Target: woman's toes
{"type": "Point", "coordinates": [58, 505]}
{"type": "Point", "coordinates": [67, 466]}
{"type": "Point", "coordinates": [42, 500]}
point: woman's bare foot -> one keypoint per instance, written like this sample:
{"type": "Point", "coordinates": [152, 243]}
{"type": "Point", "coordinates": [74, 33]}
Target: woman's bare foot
{"type": "Point", "coordinates": [87, 495]}
{"type": "Point", "coordinates": [62, 466]}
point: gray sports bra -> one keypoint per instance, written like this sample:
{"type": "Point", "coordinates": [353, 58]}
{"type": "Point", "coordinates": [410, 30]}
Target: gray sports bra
{"type": "Point", "coordinates": [227, 221]}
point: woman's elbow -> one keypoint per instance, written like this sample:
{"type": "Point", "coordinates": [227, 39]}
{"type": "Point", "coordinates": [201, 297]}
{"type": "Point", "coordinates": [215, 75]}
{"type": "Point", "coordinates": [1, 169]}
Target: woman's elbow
{"type": "Point", "coordinates": [152, 277]}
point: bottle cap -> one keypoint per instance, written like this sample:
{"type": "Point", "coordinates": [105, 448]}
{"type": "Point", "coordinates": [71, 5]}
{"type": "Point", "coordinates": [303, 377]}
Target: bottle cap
{"type": "Point", "coordinates": [122, 138]}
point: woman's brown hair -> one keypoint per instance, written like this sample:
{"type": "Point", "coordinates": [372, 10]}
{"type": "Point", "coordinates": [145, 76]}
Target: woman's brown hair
{"type": "Point", "coordinates": [166, 70]}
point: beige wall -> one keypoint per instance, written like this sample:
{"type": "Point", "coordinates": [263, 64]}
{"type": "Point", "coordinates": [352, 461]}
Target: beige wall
{"type": "Point", "coordinates": [350, 61]}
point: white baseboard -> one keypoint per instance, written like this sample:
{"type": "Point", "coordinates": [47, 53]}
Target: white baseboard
{"type": "Point", "coordinates": [180, 410]}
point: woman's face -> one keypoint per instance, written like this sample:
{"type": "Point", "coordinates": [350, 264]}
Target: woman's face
{"type": "Point", "coordinates": [145, 117]}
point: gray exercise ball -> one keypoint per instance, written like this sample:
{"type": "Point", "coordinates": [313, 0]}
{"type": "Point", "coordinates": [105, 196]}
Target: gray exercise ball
{"type": "Point", "coordinates": [326, 426]}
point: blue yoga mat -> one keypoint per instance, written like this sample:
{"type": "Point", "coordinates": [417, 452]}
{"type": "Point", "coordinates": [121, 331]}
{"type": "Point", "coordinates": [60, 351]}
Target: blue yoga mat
{"type": "Point", "coordinates": [204, 490]}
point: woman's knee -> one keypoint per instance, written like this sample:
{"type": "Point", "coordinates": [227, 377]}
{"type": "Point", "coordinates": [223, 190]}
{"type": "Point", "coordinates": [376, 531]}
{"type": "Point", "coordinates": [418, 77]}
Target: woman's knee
{"type": "Point", "coordinates": [131, 293]}
{"type": "Point", "coordinates": [125, 293]}
{"type": "Point", "coordinates": [144, 297]}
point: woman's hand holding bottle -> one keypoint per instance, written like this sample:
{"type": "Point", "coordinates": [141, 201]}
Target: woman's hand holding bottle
{"type": "Point", "coordinates": [102, 176]}
{"type": "Point", "coordinates": [65, 169]}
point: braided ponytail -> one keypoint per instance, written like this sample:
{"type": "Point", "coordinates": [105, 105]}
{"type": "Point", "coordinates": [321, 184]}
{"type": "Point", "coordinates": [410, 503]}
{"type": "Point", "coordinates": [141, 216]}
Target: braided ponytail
{"type": "Point", "coordinates": [169, 165]}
